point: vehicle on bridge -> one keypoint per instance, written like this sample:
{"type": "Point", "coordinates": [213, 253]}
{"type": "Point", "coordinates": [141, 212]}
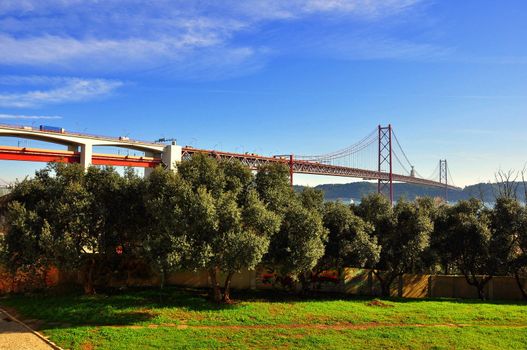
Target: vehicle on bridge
{"type": "Point", "coordinates": [52, 129]}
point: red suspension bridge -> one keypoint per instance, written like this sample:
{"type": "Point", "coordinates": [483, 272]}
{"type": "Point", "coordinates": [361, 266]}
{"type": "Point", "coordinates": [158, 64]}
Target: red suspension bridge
{"type": "Point", "coordinates": [379, 156]}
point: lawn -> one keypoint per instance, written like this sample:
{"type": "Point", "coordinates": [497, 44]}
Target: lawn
{"type": "Point", "coordinates": [148, 319]}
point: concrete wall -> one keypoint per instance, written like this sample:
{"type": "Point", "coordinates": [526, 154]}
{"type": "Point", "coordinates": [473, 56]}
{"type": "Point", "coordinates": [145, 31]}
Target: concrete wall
{"type": "Point", "coordinates": [28, 281]}
{"type": "Point", "coordinates": [352, 281]}
{"type": "Point", "coordinates": [363, 282]}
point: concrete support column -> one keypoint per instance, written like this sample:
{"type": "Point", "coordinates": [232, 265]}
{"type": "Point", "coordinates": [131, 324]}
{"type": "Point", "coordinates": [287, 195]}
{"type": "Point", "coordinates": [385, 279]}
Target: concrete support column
{"type": "Point", "coordinates": [171, 156]}
{"type": "Point", "coordinates": [148, 171]}
{"type": "Point", "coordinates": [86, 155]}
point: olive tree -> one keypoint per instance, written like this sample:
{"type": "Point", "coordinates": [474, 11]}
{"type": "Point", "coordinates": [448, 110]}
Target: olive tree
{"type": "Point", "coordinates": [509, 242]}
{"type": "Point", "coordinates": [505, 225]}
{"type": "Point", "coordinates": [227, 226]}
{"type": "Point", "coordinates": [51, 223]}
{"type": "Point", "coordinates": [299, 243]}
{"type": "Point", "coordinates": [74, 219]}
{"type": "Point", "coordinates": [164, 241]}
{"type": "Point", "coordinates": [435, 257]}
{"type": "Point", "coordinates": [273, 186]}
{"type": "Point", "coordinates": [440, 256]}
{"type": "Point", "coordinates": [350, 240]}
{"type": "Point", "coordinates": [471, 237]}
{"type": "Point", "coordinates": [403, 232]}
{"type": "Point", "coordinates": [117, 216]}
{"type": "Point", "coordinates": [520, 259]}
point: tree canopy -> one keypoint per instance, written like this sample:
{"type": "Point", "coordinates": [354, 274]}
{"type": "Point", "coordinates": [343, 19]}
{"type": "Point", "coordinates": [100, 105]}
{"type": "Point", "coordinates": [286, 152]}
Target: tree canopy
{"type": "Point", "coordinates": [221, 217]}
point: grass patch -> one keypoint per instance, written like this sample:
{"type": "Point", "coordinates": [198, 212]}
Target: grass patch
{"type": "Point", "coordinates": [182, 319]}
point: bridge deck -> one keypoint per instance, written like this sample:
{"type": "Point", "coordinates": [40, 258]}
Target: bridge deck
{"type": "Point", "coordinates": [305, 167]}
{"type": "Point", "coordinates": [252, 161]}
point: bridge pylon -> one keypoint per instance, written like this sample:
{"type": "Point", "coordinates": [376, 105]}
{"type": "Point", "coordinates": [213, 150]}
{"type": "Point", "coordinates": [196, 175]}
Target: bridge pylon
{"type": "Point", "coordinates": [385, 185]}
{"type": "Point", "coordinates": [443, 175]}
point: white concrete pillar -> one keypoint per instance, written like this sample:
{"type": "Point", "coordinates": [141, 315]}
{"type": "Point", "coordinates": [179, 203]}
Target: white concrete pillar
{"type": "Point", "coordinates": [171, 156]}
{"type": "Point", "coordinates": [148, 171]}
{"type": "Point", "coordinates": [86, 155]}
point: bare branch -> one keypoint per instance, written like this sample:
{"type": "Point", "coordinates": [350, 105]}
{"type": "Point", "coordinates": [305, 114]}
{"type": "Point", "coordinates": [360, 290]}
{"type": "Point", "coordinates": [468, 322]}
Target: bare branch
{"type": "Point", "coordinates": [506, 184]}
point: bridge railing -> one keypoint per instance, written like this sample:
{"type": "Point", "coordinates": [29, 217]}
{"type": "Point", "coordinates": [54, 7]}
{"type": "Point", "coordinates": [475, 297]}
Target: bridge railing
{"type": "Point", "coordinates": [75, 133]}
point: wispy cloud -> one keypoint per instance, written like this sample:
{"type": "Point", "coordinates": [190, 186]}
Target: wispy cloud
{"type": "Point", "coordinates": [127, 35]}
{"type": "Point", "coordinates": [29, 117]}
{"type": "Point", "coordinates": [59, 90]}
{"type": "Point", "coordinates": [369, 46]}
{"type": "Point", "coordinates": [364, 9]}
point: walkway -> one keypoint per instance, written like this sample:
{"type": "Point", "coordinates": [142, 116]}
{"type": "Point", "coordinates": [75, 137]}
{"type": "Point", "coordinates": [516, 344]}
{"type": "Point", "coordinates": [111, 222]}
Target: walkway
{"type": "Point", "coordinates": [15, 336]}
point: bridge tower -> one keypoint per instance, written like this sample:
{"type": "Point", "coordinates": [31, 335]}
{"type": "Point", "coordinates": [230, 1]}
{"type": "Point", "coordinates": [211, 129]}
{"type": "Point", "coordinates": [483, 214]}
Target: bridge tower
{"type": "Point", "coordinates": [443, 175]}
{"type": "Point", "coordinates": [385, 185]}
{"type": "Point", "coordinates": [291, 169]}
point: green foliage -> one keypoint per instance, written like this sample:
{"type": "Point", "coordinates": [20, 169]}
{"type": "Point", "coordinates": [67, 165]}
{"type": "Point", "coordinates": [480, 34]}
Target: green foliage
{"type": "Point", "coordinates": [519, 262]}
{"type": "Point", "coordinates": [506, 222]}
{"type": "Point", "coordinates": [470, 236]}
{"type": "Point", "coordinates": [164, 241]}
{"type": "Point", "coordinates": [350, 240]}
{"type": "Point", "coordinates": [219, 216]}
{"type": "Point", "coordinates": [52, 214]}
{"type": "Point", "coordinates": [73, 219]}
{"type": "Point", "coordinates": [226, 224]}
{"type": "Point", "coordinates": [273, 186]}
{"type": "Point", "coordinates": [509, 239]}
{"type": "Point", "coordinates": [300, 242]}
{"type": "Point", "coordinates": [312, 199]}
{"type": "Point", "coordinates": [403, 233]}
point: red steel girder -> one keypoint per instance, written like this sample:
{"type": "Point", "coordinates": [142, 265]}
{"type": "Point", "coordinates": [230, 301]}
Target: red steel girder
{"type": "Point", "coordinates": [252, 161]}
{"type": "Point", "coordinates": [43, 155]}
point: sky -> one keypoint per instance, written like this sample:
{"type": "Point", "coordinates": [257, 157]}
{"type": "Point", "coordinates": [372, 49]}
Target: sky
{"type": "Point", "coordinates": [275, 77]}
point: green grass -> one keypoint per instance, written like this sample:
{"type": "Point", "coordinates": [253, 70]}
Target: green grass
{"type": "Point", "coordinates": [145, 319]}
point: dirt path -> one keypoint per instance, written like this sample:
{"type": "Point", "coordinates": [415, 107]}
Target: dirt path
{"type": "Point", "coordinates": [337, 326]}
{"type": "Point", "coordinates": [15, 336]}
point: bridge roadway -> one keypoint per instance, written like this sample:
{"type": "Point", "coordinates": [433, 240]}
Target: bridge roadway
{"type": "Point", "coordinates": [250, 160]}
{"type": "Point", "coordinates": [314, 168]}
{"type": "Point", "coordinates": [80, 150]}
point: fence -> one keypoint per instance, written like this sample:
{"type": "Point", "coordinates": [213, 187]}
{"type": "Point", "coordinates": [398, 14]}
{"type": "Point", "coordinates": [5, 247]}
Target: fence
{"type": "Point", "coordinates": [352, 281]}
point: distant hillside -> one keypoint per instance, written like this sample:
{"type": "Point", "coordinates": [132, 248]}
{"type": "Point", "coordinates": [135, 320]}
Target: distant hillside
{"type": "Point", "coordinates": [356, 190]}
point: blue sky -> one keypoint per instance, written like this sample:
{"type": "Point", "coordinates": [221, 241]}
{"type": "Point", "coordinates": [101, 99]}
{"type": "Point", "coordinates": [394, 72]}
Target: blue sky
{"type": "Point", "coordinates": [275, 77]}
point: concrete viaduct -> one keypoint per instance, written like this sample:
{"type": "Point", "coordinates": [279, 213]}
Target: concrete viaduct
{"type": "Point", "coordinates": [83, 144]}
{"type": "Point", "coordinates": [80, 150]}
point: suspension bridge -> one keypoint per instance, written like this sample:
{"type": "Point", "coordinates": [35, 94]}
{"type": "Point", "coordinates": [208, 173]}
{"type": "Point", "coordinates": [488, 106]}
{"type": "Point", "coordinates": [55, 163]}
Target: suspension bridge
{"type": "Point", "coordinates": [379, 156]}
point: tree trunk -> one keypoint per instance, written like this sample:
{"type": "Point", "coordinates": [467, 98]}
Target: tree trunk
{"type": "Point", "coordinates": [385, 283]}
{"type": "Point", "coordinates": [43, 279]}
{"type": "Point", "coordinates": [385, 289]}
{"type": "Point", "coordinates": [481, 290]}
{"type": "Point", "coordinates": [215, 285]}
{"type": "Point", "coordinates": [227, 288]}
{"type": "Point", "coordinates": [519, 282]}
{"type": "Point", "coordinates": [162, 278]}
{"type": "Point", "coordinates": [88, 279]}
{"type": "Point", "coordinates": [479, 284]}
{"type": "Point", "coordinates": [305, 281]}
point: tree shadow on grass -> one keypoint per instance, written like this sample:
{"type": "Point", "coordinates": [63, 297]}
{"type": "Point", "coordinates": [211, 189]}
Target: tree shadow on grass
{"type": "Point", "coordinates": [455, 300]}
{"type": "Point", "coordinates": [284, 296]}
{"type": "Point", "coordinates": [116, 308]}
{"type": "Point", "coordinates": [139, 306]}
